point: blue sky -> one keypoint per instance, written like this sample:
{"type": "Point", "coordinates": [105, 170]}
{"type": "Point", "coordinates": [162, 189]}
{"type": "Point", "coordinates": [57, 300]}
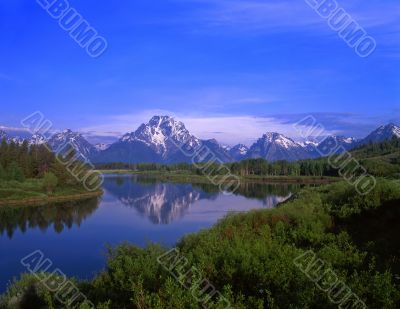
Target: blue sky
{"type": "Point", "coordinates": [230, 69]}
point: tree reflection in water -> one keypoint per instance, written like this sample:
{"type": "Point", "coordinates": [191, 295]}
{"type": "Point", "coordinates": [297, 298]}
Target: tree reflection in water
{"type": "Point", "coordinates": [60, 216]}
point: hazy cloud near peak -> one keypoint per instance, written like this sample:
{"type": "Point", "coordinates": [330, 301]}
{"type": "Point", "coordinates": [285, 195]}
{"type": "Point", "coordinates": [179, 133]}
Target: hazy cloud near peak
{"type": "Point", "coordinates": [227, 129]}
{"type": "Point", "coordinates": [245, 129]}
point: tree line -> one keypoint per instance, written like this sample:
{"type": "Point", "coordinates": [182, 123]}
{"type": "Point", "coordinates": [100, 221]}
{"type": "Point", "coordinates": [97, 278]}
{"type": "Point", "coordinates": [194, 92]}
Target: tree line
{"type": "Point", "coordinates": [319, 167]}
{"type": "Point", "coordinates": [19, 162]}
{"type": "Point", "coordinates": [311, 167]}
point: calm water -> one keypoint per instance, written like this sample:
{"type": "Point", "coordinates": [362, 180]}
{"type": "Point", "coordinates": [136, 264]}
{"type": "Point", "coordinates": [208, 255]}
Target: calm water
{"type": "Point", "coordinates": [132, 209]}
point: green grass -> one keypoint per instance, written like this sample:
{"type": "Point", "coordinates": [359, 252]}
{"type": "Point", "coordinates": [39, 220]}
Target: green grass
{"type": "Point", "coordinates": [187, 176]}
{"type": "Point", "coordinates": [14, 190]}
{"type": "Point", "coordinates": [32, 189]}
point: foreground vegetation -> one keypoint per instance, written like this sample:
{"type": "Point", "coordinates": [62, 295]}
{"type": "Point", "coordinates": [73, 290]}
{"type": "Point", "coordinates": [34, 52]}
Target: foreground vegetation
{"type": "Point", "coordinates": [249, 258]}
{"type": "Point", "coordinates": [32, 174]}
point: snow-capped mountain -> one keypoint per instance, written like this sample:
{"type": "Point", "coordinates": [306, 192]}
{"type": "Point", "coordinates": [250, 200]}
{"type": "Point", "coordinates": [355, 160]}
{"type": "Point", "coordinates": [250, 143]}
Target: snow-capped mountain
{"type": "Point", "coordinates": [217, 150]}
{"type": "Point", "coordinates": [16, 139]}
{"type": "Point", "coordinates": [60, 143]}
{"type": "Point", "coordinates": [274, 146]}
{"type": "Point", "coordinates": [161, 140]}
{"type": "Point", "coordinates": [335, 144]}
{"type": "Point", "coordinates": [37, 139]}
{"type": "Point", "coordinates": [3, 135]}
{"type": "Point", "coordinates": [166, 140]}
{"type": "Point", "coordinates": [163, 134]}
{"type": "Point", "coordinates": [239, 152]}
{"type": "Point", "coordinates": [385, 132]}
{"type": "Point", "coordinates": [310, 146]}
{"type": "Point", "coordinates": [101, 146]}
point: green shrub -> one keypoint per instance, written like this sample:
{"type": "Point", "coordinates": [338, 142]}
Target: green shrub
{"type": "Point", "coordinates": [50, 182]}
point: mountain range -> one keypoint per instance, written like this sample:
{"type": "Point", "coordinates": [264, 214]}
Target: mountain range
{"type": "Point", "coordinates": [166, 140]}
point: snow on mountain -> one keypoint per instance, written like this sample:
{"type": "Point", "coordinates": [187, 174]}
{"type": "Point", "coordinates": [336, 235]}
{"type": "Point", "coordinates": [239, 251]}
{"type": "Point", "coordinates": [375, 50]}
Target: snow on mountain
{"type": "Point", "coordinates": [274, 146]}
{"type": "Point", "coordinates": [239, 152]}
{"type": "Point", "coordinates": [15, 139]}
{"type": "Point", "coordinates": [60, 143]}
{"type": "Point", "coordinates": [335, 145]}
{"type": "Point", "coordinates": [166, 140]}
{"type": "Point", "coordinates": [283, 141]}
{"type": "Point", "coordinates": [382, 133]}
{"type": "Point", "coordinates": [3, 135]}
{"type": "Point", "coordinates": [102, 146]}
{"type": "Point", "coordinates": [310, 146]}
{"type": "Point", "coordinates": [226, 147]}
{"type": "Point", "coordinates": [162, 134]}
{"type": "Point", "coordinates": [37, 139]}
{"type": "Point", "coordinates": [161, 140]}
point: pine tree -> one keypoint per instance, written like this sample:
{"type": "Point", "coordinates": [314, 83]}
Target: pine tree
{"type": "Point", "coordinates": [3, 151]}
{"type": "Point", "coordinates": [14, 172]}
{"type": "Point", "coordinates": [2, 172]}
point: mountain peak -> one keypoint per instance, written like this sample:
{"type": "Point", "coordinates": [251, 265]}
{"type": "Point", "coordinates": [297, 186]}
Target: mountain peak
{"type": "Point", "coordinates": [212, 141]}
{"type": "Point", "coordinates": [274, 146]}
{"type": "Point", "coordinates": [388, 125]}
{"type": "Point", "coordinates": [392, 127]}
{"type": "Point", "coordinates": [159, 120]}
{"type": "Point", "coordinates": [382, 133]}
{"type": "Point", "coordinates": [161, 134]}
{"type": "Point", "coordinates": [272, 134]}
{"type": "Point", "coordinates": [274, 137]}
{"type": "Point", "coordinates": [239, 152]}
{"type": "Point", "coordinates": [3, 134]}
{"type": "Point", "coordinates": [59, 141]}
{"type": "Point", "coordinates": [37, 139]}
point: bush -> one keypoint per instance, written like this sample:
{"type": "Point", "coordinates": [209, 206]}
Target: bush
{"type": "Point", "coordinates": [50, 182]}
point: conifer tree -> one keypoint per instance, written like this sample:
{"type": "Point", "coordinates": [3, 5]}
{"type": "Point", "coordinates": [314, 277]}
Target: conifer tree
{"type": "Point", "coordinates": [14, 172]}
{"type": "Point", "coordinates": [2, 172]}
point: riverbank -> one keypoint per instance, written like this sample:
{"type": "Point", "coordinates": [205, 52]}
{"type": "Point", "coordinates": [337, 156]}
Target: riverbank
{"type": "Point", "coordinates": [50, 199]}
{"type": "Point", "coordinates": [187, 177]}
{"type": "Point", "coordinates": [31, 192]}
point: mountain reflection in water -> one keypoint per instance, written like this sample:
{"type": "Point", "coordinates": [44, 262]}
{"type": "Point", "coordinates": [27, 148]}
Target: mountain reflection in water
{"type": "Point", "coordinates": [164, 202]}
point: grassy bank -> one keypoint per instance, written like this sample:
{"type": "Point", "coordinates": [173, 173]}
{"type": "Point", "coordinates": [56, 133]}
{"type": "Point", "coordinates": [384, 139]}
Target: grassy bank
{"type": "Point", "coordinates": [32, 192]}
{"type": "Point", "coordinates": [249, 258]}
{"type": "Point", "coordinates": [183, 176]}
